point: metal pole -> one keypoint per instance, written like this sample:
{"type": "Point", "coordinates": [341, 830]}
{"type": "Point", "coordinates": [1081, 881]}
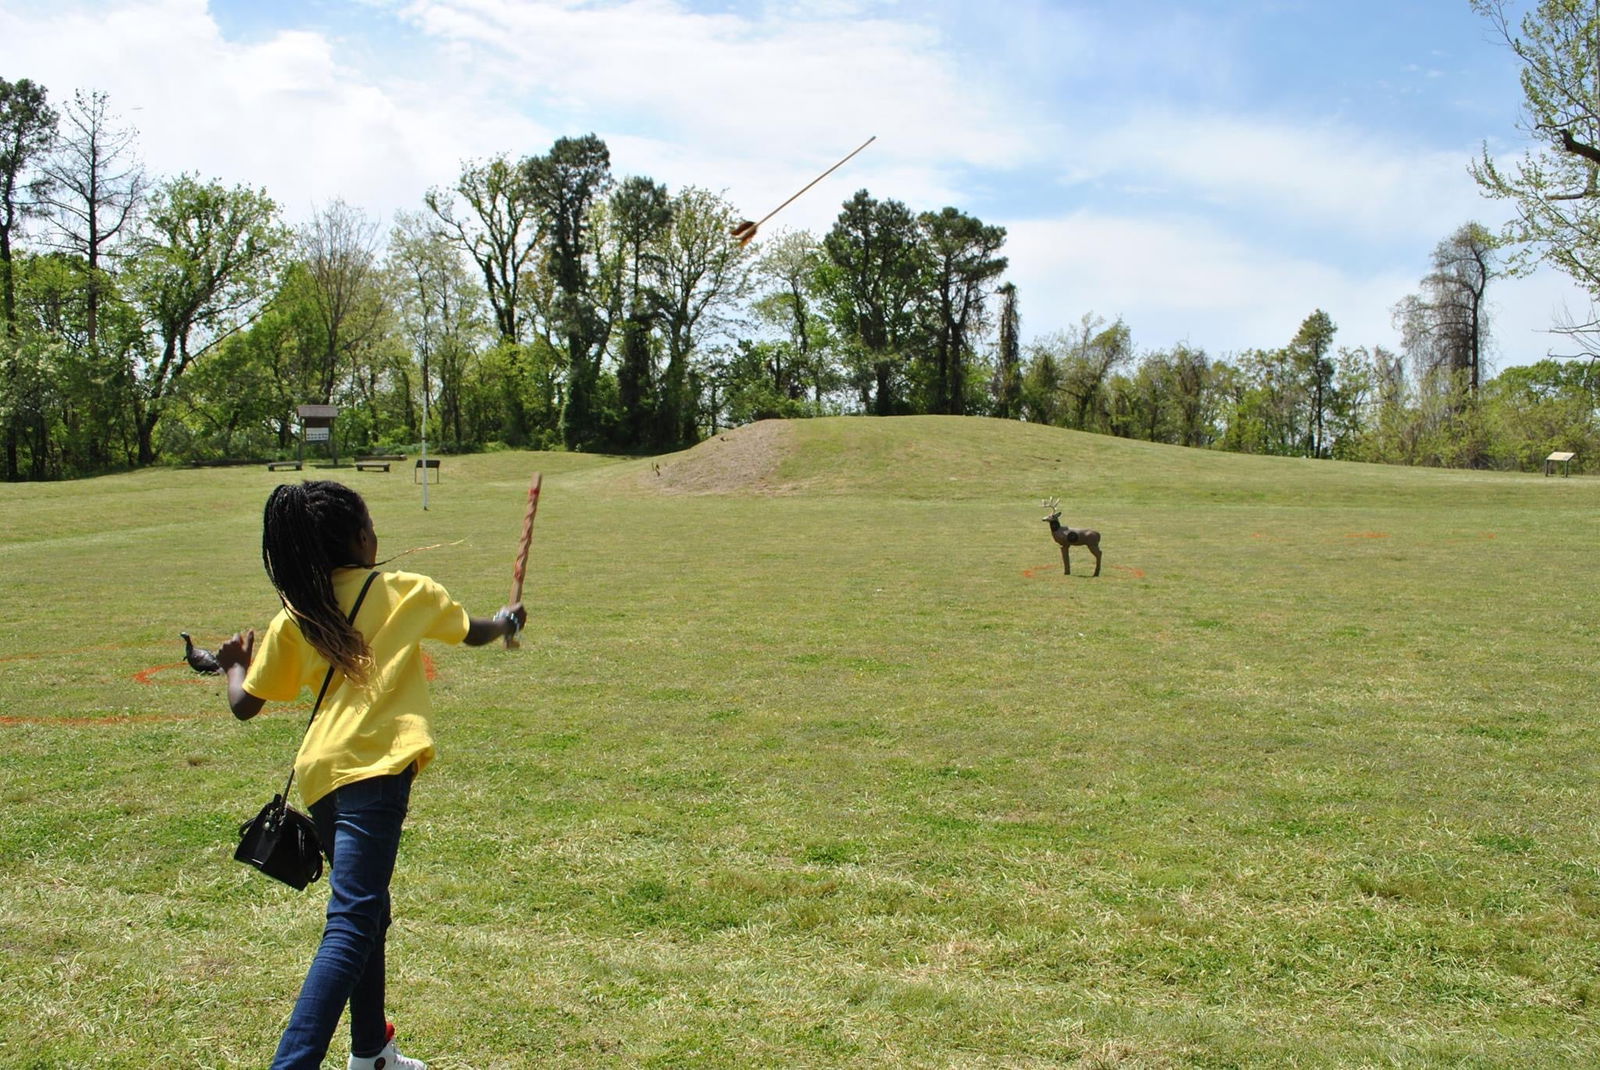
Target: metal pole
{"type": "Point", "coordinates": [424, 431]}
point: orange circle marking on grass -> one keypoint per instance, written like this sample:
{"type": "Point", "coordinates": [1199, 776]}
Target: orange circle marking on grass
{"type": "Point", "coordinates": [147, 676]}
{"type": "Point", "coordinates": [1033, 573]}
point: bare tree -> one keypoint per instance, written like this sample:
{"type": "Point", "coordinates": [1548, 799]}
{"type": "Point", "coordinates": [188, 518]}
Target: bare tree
{"type": "Point", "coordinates": [1445, 327]}
{"type": "Point", "coordinates": [98, 186]}
{"type": "Point", "coordinates": [338, 254]}
{"type": "Point", "coordinates": [440, 310]}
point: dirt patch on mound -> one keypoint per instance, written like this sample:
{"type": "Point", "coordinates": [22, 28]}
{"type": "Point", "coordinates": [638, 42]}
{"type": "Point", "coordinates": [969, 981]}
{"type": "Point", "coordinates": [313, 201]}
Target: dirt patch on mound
{"type": "Point", "coordinates": [745, 461]}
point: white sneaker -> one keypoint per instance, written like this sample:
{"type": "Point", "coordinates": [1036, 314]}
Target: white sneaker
{"type": "Point", "coordinates": [387, 1059]}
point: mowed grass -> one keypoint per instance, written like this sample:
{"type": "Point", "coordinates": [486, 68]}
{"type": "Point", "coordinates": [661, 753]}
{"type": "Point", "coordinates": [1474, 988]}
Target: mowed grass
{"type": "Point", "coordinates": [827, 764]}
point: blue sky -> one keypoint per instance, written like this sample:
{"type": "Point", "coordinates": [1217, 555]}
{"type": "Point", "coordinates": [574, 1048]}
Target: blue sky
{"type": "Point", "coordinates": [1211, 172]}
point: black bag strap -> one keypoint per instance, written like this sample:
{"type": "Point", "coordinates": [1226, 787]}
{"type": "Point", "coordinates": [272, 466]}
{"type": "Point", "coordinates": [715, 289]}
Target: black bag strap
{"type": "Point", "coordinates": [326, 680]}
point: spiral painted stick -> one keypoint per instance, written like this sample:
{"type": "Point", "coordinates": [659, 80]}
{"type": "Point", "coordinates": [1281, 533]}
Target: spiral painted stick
{"type": "Point", "coordinates": [520, 569]}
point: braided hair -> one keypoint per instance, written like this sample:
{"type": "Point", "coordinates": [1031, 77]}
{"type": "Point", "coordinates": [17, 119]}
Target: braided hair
{"type": "Point", "coordinates": [307, 531]}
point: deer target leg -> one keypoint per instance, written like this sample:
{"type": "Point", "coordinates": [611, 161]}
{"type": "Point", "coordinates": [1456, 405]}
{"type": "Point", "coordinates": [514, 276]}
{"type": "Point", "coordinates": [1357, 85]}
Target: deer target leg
{"type": "Point", "coordinates": [1066, 560]}
{"type": "Point", "coordinates": [1096, 551]}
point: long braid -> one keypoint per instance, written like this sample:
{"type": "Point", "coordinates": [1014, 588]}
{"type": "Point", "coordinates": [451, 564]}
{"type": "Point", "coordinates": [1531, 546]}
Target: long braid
{"type": "Point", "coordinates": [306, 532]}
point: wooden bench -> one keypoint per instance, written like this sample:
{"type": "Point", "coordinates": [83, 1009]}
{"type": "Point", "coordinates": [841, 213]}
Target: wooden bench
{"type": "Point", "coordinates": [371, 464]}
{"type": "Point", "coordinates": [276, 466]}
{"type": "Point", "coordinates": [424, 466]}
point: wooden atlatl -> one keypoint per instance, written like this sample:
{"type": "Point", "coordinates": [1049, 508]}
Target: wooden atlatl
{"type": "Point", "coordinates": [520, 570]}
{"type": "Point", "coordinates": [1067, 538]}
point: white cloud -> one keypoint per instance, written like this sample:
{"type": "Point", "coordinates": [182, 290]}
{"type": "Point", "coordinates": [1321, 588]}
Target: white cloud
{"type": "Point", "coordinates": [1183, 279]}
{"type": "Point", "coordinates": [770, 87]}
{"type": "Point", "coordinates": [285, 113]}
{"type": "Point", "coordinates": [1321, 177]}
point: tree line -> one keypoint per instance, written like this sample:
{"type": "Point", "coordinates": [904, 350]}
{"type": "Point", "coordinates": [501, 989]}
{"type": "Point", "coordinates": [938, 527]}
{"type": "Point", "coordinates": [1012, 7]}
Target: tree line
{"type": "Point", "coordinates": [545, 302]}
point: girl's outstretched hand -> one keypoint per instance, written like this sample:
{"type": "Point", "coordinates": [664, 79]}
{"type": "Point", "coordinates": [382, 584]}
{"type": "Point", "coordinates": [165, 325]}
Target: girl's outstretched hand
{"type": "Point", "coordinates": [237, 651]}
{"type": "Point", "coordinates": [505, 624]}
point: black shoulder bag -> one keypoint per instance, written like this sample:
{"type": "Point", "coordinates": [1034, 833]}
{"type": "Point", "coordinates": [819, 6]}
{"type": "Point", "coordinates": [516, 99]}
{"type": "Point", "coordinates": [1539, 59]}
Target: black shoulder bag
{"type": "Point", "coordinates": [280, 841]}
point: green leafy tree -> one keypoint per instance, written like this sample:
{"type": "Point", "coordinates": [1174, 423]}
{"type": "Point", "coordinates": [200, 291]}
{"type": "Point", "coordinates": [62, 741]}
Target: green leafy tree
{"type": "Point", "coordinates": [500, 230]}
{"type": "Point", "coordinates": [788, 303]}
{"type": "Point", "coordinates": [699, 274]}
{"type": "Point", "coordinates": [872, 276]}
{"type": "Point", "coordinates": [1267, 407]}
{"type": "Point", "coordinates": [961, 252]}
{"type": "Point", "coordinates": [199, 271]}
{"type": "Point", "coordinates": [281, 347]}
{"type": "Point", "coordinates": [751, 383]}
{"type": "Point", "coordinates": [1192, 379]}
{"type": "Point", "coordinates": [227, 406]}
{"type": "Point", "coordinates": [1042, 395]}
{"type": "Point", "coordinates": [1553, 187]}
{"type": "Point", "coordinates": [565, 184]}
{"type": "Point", "coordinates": [1088, 356]}
{"type": "Point", "coordinates": [1350, 402]}
{"type": "Point", "coordinates": [82, 423]}
{"type": "Point", "coordinates": [27, 132]}
{"type": "Point", "coordinates": [1310, 353]}
{"type": "Point", "coordinates": [1007, 388]}
{"type": "Point", "coordinates": [1538, 408]}
{"type": "Point", "coordinates": [1172, 397]}
{"type": "Point", "coordinates": [493, 217]}
{"type": "Point", "coordinates": [641, 212]}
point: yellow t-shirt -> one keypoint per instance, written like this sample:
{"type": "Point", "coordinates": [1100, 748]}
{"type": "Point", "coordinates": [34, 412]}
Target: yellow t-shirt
{"type": "Point", "coordinates": [374, 728]}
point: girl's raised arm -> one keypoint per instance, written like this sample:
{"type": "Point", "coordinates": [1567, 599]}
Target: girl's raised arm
{"type": "Point", "coordinates": [234, 657]}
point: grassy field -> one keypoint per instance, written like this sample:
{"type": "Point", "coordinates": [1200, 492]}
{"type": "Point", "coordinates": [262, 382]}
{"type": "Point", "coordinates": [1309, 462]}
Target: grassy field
{"type": "Point", "coordinates": [814, 758]}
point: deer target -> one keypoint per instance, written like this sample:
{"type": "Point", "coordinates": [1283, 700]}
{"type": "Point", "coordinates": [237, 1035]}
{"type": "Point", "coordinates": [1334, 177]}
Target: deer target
{"type": "Point", "coordinates": [1067, 538]}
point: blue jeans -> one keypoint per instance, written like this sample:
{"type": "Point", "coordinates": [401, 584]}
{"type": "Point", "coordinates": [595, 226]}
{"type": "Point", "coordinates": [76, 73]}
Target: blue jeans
{"type": "Point", "coordinates": [360, 829]}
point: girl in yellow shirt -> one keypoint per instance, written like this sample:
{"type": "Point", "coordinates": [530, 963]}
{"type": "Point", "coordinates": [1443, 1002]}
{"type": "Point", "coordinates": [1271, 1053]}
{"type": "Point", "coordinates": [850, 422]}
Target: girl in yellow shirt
{"type": "Point", "coordinates": [368, 741]}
